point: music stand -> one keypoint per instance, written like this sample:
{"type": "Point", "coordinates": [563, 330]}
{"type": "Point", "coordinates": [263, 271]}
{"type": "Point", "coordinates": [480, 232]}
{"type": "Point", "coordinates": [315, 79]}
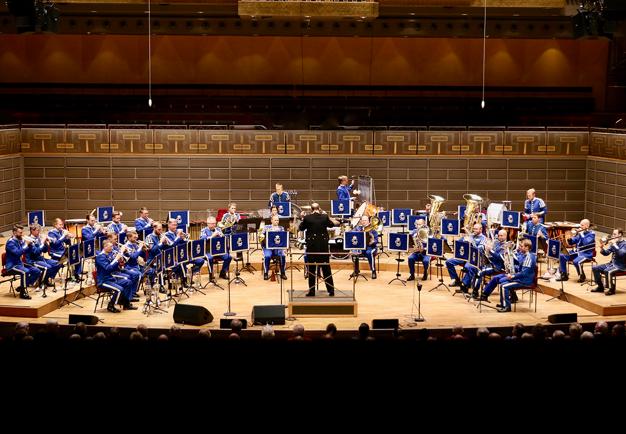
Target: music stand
{"type": "Point", "coordinates": [435, 249]}
{"type": "Point", "coordinates": [169, 263]}
{"type": "Point", "coordinates": [355, 241]}
{"type": "Point", "coordinates": [277, 240]}
{"type": "Point", "coordinates": [153, 300]}
{"type": "Point", "coordinates": [89, 252]}
{"type": "Point", "coordinates": [73, 259]}
{"type": "Point", "coordinates": [238, 244]}
{"type": "Point", "coordinates": [554, 252]}
{"type": "Point", "coordinates": [398, 242]}
{"type": "Point", "coordinates": [197, 252]}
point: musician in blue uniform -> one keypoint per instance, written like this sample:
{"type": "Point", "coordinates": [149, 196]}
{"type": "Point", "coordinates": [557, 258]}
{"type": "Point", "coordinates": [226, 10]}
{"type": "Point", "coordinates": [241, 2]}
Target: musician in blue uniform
{"type": "Point", "coordinates": [143, 221]}
{"type": "Point", "coordinates": [584, 242]}
{"type": "Point", "coordinates": [49, 267]}
{"type": "Point", "coordinates": [420, 252]}
{"type": "Point", "coordinates": [268, 254]}
{"type": "Point", "coordinates": [175, 237]}
{"type": "Point", "coordinates": [134, 251]}
{"type": "Point", "coordinates": [371, 248]}
{"type": "Point", "coordinates": [496, 262]}
{"type": "Point", "coordinates": [156, 242]}
{"type": "Point", "coordinates": [344, 188]}
{"type": "Point", "coordinates": [116, 225]}
{"type": "Point", "coordinates": [60, 238]}
{"type": "Point", "coordinates": [92, 229]}
{"type": "Point", "coordinates": [534, 205]}
{"type": "Point", "coordinates": [279, 195]}
{"type": "Point", "coordinates": [478, 240]}
{"type": "Point", "coordinates": [17, 247]}
{"type": "Point", "coordinates": [107, 267]}
{"type": "Point", "coordinates": [524, 277]}
{"type": "Point", "coordinates": [211, 231]}
{"type": "Point", "coordinates": [535, 228]}
{"type": "Point", "coordinates": [616, 247]}
{"type": "Point", "coordinates": [230, 218]}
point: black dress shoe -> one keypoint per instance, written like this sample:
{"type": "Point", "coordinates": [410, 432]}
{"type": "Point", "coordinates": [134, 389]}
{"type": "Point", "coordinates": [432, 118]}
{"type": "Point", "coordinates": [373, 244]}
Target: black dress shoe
{"type": "Point", "coordinates": [331, 293]}
{"type": "Point", "coordinates": [373, 275]}
{"type": "Point", "coordinates": [597, 289]}
{"type": "Point", "coordinates": [425, 276]}
{"type": "Point", "coordinates": [130, 307]}
{"type": "Point", "coordinates": [582, 278]}
{"type": "Point", "coordinates": [610, 292]}
{"type": "Point", "coordinates": [283, 276]}
{"type": "Point", "coordinates": [563, 278]}
{"type": "Point", "coordinates": [484, 298]}
{"type": "Point", "coordinates": [135, 299]}
{"type": "Point", "coordinates": [456, 283]}
{"type": "Point", "coordinates": [113, 309]}
{"type": "Point", "coordinates": [411, 277]}
{"type": "Point", "coordinates": [266, 276]}
{"type": "Point", "coordinates": [310, 294]}
{"type": "Point", "coordinates": [24, 295]}
{"type": "Point", "coordinates": [223, 276]}
{"type": "Point", "coordinates": [504, 309]}
{"type": "Point", "coordinates": [475, 295]}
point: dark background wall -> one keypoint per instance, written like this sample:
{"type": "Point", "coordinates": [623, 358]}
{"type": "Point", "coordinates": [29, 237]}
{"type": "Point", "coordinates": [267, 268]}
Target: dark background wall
{"type": "Point", "coordinates": [11, 190]}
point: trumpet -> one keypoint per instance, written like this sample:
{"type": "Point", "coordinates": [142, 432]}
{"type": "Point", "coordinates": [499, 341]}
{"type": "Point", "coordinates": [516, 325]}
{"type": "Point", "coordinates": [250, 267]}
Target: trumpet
{"type": "Point", "coordinates": [183, 235]}
{"type": "Point", "coordinates": [605, 240]}
{"type": "Point", "coordinates": [164, 240]}
{"type": "Point", "coordinates": [28, 239]}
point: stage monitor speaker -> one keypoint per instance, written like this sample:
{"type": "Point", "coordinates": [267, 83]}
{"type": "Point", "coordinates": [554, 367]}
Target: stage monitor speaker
{"type": "Point", "coordinates": [225, 323]}
{"type": "Point", "coordinates": [270, 314]}
{"type": "Point", "coordinates": [385, 324]}
{"type": "Point", "coordinates": [191, 314]}
{"type": "Point", "coordinates": [87, 319]}
{"type": "Point", "coordinates": [562, 318]}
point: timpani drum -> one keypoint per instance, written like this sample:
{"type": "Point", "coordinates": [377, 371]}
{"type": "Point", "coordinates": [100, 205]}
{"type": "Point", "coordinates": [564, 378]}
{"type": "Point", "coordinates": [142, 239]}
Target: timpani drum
{"type": "Point", "coordinates": [75, 226]}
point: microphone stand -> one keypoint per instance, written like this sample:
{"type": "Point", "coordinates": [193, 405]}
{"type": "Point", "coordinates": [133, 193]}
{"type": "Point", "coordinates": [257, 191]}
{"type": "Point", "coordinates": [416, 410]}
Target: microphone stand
{"type": "Point", "coordinates": [229, 312]}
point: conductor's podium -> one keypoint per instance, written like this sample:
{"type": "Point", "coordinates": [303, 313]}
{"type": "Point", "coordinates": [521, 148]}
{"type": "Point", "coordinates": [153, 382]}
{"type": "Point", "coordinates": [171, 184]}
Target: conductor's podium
{"type": "Point", "coordinates": [343, 304]}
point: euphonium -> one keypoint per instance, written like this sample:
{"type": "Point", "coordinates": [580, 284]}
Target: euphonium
{"type": "Point", "coordinates": [472, 211]}
{"type": "Point", "coordinates": [508, 255]}
{"type": "Point", "coordinates": [435, 217]}
{"type": "Point", "coordinates": [420, 237]}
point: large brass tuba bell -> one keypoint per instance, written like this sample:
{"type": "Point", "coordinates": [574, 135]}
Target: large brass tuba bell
{"type": "Point", "coordinates": [435, 217]}
{"type": "Point", "coordinates": [472, 211]}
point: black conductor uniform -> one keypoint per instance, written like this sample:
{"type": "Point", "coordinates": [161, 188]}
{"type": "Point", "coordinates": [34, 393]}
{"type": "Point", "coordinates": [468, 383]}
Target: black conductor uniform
{"type": "Point", "coordinates": [315, 225]}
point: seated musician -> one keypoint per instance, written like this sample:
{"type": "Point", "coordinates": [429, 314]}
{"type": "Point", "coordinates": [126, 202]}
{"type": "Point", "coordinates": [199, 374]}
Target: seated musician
{"type": "Point", "coordinates": [478, 240]}
{"type": "Point", "coordinates": [522, 278]}
{"type": "Point", "coordinates": [49, 267]}
{"type": "Point", "coordinates": [143, 221]}
{"type": "Point", "coordinates": [279, 195]}
{"type": "Point", "coordinates": [60, 238]}
{"type": "Point", "coordinates": [156, 242]}
{"type": "Point", "coordinates": [133, 252]}
{"type": "Point", "coordinates": [16, 247]}
{"type": "Point", "coordinates": [274, 211]}
{"type": "Point", "coordinates": [344, 188]}
{"type": "Point", "coordinates": [175, 237]}
{"type": "Point", "coordinates": [230, 218]}
{"type": "Point", "coordinates": [616, 247]}
{"type": "Point", "coordinates": [420, 252]}
{"type": "Point", "coordinates": [371, 246]}
{"type": "Point", "coordinates": [212, 231]}
{"type": "Point", "coordinates": [495, 265]}
{"type": "Point", "coordinates": [535, 228]}
{"type": "Point", "coordinates": [107, 267]}
{"type": "Point", "coordinates": [122, 273]}
{"type": "Point", "coordinates": [584, 242]}
{"type": "Point", "coordinates": [534, 205]}
{"type": "Point", "coordinates": [268, 254]}
{"type": "Point", "coordinates": [92, 229]}
{"type": "Point", "coordinates": [116, 224]}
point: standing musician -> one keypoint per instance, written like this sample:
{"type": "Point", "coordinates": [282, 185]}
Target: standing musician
{"type": "Point", "coordinates": [534, 205]}
{"type": "Point", "coordinates": [17, 247]}
{"type": "Point", "coordinates": [143, 221]}
{"type": "Point", "coordinates": [344, 188]}
{"type": "Point", "coordinates": [279, 195]}
{"type": "Point", "coordinates": [34, 257]}
{"type": "Point", "coordinates": [269, 253]}
{"type": "Point", "coordinates": [617, 248]}
{"type": "Point", "coordinates": [134, 251]}
{"type": "Point", "coordinates": [420, 252]}
{"type": "Point", "coordinates": [107, 265]}
{"type": "Point", "coordinates": [371, 246]}
{"type": "Point", "coordinates": [535, 228]}
{"type": "Point", "coordinates": [212, 231]}
{"type": "Point", "coordinates": [92, 229]}
{"type": "Point", "coordinates": [230, 218]}
{"type": "Point", "coordinates": [523, 277]}
{"type": "Point", "coordinates": [116, 225]}
{"type": "Point", "coordinates": [496, 265]}
{"type": "Point", "coordinates": [478, 240]}
{"type": "Point", "coordinates": [60, 237]}
{"type": "Point", "coordinates": [316, 225]}
{"type": "Point", "coordinates": [584, 242]}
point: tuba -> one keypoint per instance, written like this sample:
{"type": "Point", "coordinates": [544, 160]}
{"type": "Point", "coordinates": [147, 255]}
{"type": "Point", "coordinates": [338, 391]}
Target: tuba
{"type": "Point", "coordinates": [508, 255]}
{"type": "Point", "coordinates": [435, 217]}
{"type": "Point", "coordinates": [472, 211]}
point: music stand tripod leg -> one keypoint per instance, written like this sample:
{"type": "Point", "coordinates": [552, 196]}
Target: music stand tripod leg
{"type": "Point", "coordinates": [398, 260]}
{"type": "Point", "coordinates": [439, 267]}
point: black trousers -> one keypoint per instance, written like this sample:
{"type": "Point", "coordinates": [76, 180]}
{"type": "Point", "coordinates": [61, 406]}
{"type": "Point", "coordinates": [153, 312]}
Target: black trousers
{"type": "Point", "coordinates": [313, 263]}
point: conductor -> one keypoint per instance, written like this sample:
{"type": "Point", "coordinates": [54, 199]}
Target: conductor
{"type": "Point", "coordinates": [315, 225]}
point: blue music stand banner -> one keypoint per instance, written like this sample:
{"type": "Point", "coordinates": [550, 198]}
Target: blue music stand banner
{"type": "Point", "coordinates": [461, 250]}
{"type": "Point", "coordinates": [121, 238]}
{"type": "Point", "coordinates": [413, 221]}
{"type": "Point", "coordinates": [400, 216]}
{"type": "Point", "coordinates": [239, 242]}
{"type": "Point", "coordinates": [398, 242]}
{"type": "Point", "coordinates": [181, 217]}
{"type": "Point", "coordinates": [158, 264]}
{"type": "Point", "coordinates": [474, 257]}
{"type": "Point", "coordinates": [277, 240]}
{"type": "Point", "coordinates": [450, 227]}
{"type": "Point", "coordinates": [36, 218]}
{"type": "Point", "coordinates": [385, 218]}
{"type": "Point", "coordinates": [104, 214]}
{"type": "Point", "coordinates": [182, 253]}
{"type": "Point", "coordinates": [533, 239]}
{"type": "Point", "coordinates": [354, 240]}
{"type": "Point", "coordinates": [461, 211]}
{"type": "Point", "coordinates": [340, 208]}
{"type": "Point", "coordinates": [73, 254]}
{"type": "Point", "coordinates": [89, 248]}
{"type": "Point", "coordinates": [284, 209]}
{"type": "Point", "coordinates": [434, 247]}
{"type": "Point", "coordinates": [554, 249]}
{"type": "Point", "coordinates": [169, 258]}
{"type": "Point", "coordinates": [217, 246]}
{"type": "Point", "coordinates": [510, 219]}
{"type": "Point", "coordinates": [198, 248]}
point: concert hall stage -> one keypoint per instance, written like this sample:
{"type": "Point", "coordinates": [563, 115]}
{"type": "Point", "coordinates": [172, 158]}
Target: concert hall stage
{"type": "Point", "coordinates": [376, 299]}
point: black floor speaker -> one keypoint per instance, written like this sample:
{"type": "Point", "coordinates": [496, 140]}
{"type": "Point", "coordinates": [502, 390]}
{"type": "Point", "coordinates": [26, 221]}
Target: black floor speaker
{"type": "Point", "coordinates": [385, 324]}
{"type": "Point", "coordinates": [271, 314]}
{"type": "Point", "coordinates": [87, 319]}
{"type": "Point", "coordinates": [191, 314]}
{"type": "Point", "coordinates": [225, 323]}
{"type": "Point", "coordinates": [562, 318]}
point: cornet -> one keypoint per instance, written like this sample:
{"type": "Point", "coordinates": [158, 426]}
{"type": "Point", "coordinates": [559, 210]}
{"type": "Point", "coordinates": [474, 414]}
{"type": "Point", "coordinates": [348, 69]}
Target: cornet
{"type": "Point", "coordinates": [605, 240]}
